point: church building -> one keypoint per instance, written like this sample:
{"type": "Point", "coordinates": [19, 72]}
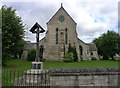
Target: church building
{"type": "Point", "coordinates": [61, 31]}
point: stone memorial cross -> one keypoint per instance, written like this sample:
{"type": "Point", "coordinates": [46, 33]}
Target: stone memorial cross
{"type": "Point", "coordinates": [37, 29]}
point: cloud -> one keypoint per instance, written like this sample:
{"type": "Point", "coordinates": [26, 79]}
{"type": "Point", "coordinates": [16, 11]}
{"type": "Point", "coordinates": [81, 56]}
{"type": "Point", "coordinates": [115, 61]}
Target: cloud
{"type": "Point", "coordinates": [92, 17]}
{"type": "Point", "coordinates": [96, 18]}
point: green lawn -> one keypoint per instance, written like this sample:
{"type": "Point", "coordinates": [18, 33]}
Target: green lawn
{"type": "Point", "coordinates": [82, 64]}
{"type": "Point", "coordinates": [18, 64]}
{"type": "Point", "coordinates": [15, 68]}
{"type": "Point", "coordinates": [24, 65]}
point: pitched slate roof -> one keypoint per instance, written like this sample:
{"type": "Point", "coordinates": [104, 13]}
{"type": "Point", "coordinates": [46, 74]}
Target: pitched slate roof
{"type": "Point", "coordinates": [28, 45]}
{"type": "Point", "coordinates": [81, 41]}
{"type": "Point", "coordinates": [92, 47]}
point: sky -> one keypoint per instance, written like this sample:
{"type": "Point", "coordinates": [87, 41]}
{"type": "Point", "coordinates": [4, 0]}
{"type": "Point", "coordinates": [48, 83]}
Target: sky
{"type": "Point", "coordinates": [93, 17]}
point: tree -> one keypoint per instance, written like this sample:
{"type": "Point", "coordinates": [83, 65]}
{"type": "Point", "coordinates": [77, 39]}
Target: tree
{"type": "Point", "coordinates": [12, 33]}
{"type": "Point", "coordinates": [118, 44]}
{"type": "Point", "coordinates": [74, 53]}
{"type": "Point", "coordinates": [31, 55]}
{"type": "Point", "coordinates": [0, 33]}
{"type": "Point", "coordinates": [108, 44]}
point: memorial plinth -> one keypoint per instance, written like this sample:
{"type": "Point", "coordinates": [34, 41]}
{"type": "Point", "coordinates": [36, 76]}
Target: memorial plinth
{"type": "Point", "coordinates": [35, 73]}
{"type": "Point", "coordinates": [37, 65]}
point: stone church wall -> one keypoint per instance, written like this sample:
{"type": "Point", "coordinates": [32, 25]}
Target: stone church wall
{"type": "Point", "coordinates": [95, 55]}
{"type": "Point", "coordinates": [90, 80]}
{"type": "Point", "coordinates": [82, 77]}
{"type": "Point", "coordinates": [85, 51]}
{"type": "Point", "coordinates": [53, 50]}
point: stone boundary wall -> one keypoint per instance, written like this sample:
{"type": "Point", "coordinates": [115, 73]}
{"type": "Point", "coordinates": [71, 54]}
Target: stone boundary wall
{"type": "Point", "coordinates": [84, 77]}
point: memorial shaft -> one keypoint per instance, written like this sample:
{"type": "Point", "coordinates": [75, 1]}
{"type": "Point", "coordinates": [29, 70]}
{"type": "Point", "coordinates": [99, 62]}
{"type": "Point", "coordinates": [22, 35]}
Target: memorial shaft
{"type": "Point", "coordinates": [37, 46]}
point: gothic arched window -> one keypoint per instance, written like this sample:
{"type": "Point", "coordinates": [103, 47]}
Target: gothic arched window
{"type": "Point", "coordinates": [56, 35]}
{"type": "Point", "coordinates": [66, 36]}
{"type": "Point", "coordinates": [81, 50]}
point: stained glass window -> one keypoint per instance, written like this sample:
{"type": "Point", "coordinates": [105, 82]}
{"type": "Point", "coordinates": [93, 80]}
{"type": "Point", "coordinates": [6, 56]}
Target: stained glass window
{"type": "Point", "coordinates": [56, 35]}
{"type": "Point", "coordinates": [66, 36]}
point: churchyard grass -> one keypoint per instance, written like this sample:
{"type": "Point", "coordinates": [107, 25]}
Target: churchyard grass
{"type": "Point", "coordinates": [25, 65]}
{"type": "Point", "coordinates": [17, 64]}
{"type": "Point", "coordinates": [22, 65]}
{"type": "Point", "coordinates": [82, 64]}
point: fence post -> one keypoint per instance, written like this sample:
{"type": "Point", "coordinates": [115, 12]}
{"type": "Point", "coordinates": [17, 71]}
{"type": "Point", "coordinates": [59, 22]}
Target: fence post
{"type": "Point", "coordinates": [33, 80]}
{"type": "Point", "coordinates": [14, 77]}
{"type": "Point", "coordinates": [37, 78]}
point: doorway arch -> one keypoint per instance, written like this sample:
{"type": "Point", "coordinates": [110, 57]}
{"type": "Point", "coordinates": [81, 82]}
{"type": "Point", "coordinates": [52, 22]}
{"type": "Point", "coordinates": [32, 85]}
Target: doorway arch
{"type": "Point", "coordinates": [81, 50]}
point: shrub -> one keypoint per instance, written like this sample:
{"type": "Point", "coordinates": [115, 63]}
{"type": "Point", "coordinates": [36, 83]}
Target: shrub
{"type": "Point", "coordinates": [69, 57]}
{"type": "Point", "coordinates": [73, 50]}
{"type": "Point", "coordinates": [31, 55]}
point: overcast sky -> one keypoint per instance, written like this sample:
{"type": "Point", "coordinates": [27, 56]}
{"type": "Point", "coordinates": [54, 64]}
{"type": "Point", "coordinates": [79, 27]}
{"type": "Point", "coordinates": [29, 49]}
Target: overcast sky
{"type": "Point", "coordinates": [93, 17]}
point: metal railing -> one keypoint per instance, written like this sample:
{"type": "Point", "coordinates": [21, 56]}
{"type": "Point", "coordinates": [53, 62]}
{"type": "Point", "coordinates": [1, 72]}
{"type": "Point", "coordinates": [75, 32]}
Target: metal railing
{"type": "Point", "coordinates": [52, 77]}
{"type": "Point", "coordinates": [25, 78]}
